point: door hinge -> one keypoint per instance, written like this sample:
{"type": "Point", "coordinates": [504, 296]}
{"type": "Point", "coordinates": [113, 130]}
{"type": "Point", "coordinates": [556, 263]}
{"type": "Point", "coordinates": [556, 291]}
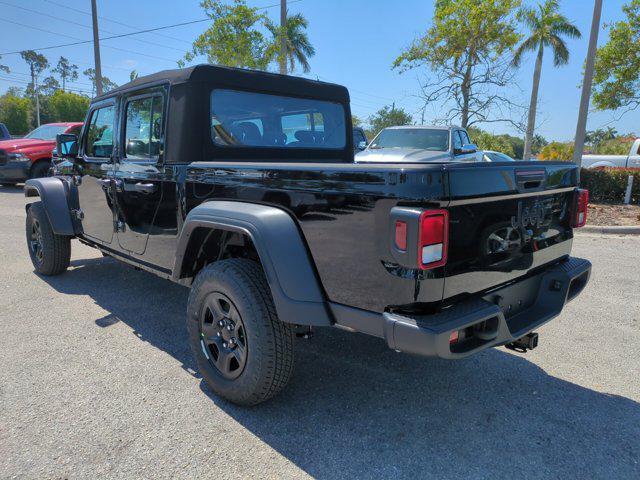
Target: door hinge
{"type": "Point", "coordinates": [78, 214]}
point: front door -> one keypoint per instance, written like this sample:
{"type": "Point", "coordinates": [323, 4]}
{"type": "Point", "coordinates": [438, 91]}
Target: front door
{"type": "Point", "coordinates": [138, 173]}
{"type": "Point", "coordinates": [95, 193]}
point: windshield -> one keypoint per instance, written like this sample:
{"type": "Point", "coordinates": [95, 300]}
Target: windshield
{"type": "Point", "coordinates": [47, 132]}
{"type": "Point", "coordinates": [416, 138]}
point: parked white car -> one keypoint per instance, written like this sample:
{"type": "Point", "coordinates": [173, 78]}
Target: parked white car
{"type": "Point", "coordinates": [419, 143]}
{"type": "Point", "coordinates": [625, 161]}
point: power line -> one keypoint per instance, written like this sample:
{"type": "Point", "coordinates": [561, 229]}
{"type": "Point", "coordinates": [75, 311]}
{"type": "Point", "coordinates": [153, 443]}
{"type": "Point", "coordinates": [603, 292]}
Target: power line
{"type": "Point", "coordinates": [83, 12]}
{"type": "Point", "coordinates": [80, 42]}
{"type": "Point", "coordinates": [83, 25]}
{"type": "Point", "coordinates": [148, 30]}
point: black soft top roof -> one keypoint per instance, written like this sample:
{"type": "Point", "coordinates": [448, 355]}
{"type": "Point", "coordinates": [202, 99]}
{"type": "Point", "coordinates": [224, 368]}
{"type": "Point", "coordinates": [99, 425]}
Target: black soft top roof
{"type": "Point", "coordinates": [240, 78]}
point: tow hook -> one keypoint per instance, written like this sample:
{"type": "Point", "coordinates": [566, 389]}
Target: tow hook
{"type": "Point", "coordinates": [521, 345]}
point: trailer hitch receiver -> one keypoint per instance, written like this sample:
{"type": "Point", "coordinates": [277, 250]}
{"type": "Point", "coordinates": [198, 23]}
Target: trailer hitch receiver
{"type": "Point", "coordinates": [521, 345]}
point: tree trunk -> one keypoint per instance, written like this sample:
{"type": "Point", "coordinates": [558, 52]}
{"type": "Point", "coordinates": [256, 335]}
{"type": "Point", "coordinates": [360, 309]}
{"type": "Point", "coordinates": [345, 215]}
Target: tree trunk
{"type": "Point", "coordinates": [533, 105]}
{"type": "Point", "coordinates": [282, 59]}
{"type": "Point", "coordinates": [466, 93]}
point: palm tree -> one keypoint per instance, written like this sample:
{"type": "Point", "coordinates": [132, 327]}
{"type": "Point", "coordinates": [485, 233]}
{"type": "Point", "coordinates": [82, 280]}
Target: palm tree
{"type": "Point", "coordinates": [546, 26]}
{"type": "Point", "coordinates": [298, 48]}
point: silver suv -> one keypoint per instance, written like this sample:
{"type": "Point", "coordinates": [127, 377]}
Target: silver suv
{"type": "Point", "coordinates": [419, 143]}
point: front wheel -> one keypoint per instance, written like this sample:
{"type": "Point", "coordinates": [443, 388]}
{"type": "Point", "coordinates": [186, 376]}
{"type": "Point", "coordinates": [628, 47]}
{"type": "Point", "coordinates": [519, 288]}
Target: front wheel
{"type": "Point", "coordinates": [245, 353]}
{"type": "Point", "coordinates": [40, 170]}
{"type": "Point", "coordinates": [50, 253]}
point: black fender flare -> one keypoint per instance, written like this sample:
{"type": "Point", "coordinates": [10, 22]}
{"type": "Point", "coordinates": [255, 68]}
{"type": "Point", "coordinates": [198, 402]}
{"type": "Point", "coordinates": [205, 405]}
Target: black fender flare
{"type": "Point", "coordinates": [54, 194]}
{"type": "Point", "coordinates": [287, 264]}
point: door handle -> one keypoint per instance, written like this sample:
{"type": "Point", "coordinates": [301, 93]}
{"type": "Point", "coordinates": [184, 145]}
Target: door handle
{"type": "Point", "coordinates": [145, 187]}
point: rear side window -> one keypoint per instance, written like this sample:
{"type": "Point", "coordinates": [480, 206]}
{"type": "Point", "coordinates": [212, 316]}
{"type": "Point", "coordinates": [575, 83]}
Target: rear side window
{"type": "Point", "coordinates": [358, 137]}
{"type": "Point", "coordinates": [246, 119]}
{"type": "Point", "coordinates": [99, 138]}
{"type": "Point", "coordinates": [143, 128]}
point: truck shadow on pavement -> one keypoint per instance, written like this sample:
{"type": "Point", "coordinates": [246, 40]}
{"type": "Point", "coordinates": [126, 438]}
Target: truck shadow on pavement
{"type": "Point", "coordinates": [357, 409]}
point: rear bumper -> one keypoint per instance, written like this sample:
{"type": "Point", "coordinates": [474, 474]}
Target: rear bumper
{"type": "Point", "coordinates": [14, 171]}
{"type": "Point", "coordinates": [498, 317]}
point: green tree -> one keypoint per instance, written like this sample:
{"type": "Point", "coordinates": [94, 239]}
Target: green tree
{"type": "Point", "coordinates": [596, 137]}
{"type": "Point", "coordinates": [37, 64]}
{"type": "Point", "coordinates": [133, 75]}
{"type": "Point", "coordinates": [487, 141]}
{"type": "Point", "coordinates": [67, 71]}
{"type": "Point", "coordinates": [557, 151]}
{"type": "Point", "coordinates": [464, 50]}
{"type": "Point", "coordinates": [355, 120]}
{"type": "Point", "coordinates": [15, 113]}
{"type": "Point", "coordinates": [49, 85]}
{"type": "Point", "coordinates": [616, 82]}
{"type": "Point", "coordinates": [107, 84]}
{"type": "Point", "coordinates": [233, 39]}
{"type": "Point", "coordinates": [547, 27]}
{"type": "Point", "coordinates": [388, 116]}
{"type": "Point", "coordinates": [67, 106]}
{"type": "Point", "coordinates": [298, 48]}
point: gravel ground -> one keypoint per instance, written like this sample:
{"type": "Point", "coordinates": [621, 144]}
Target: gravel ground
{"type": "Point", "coordinates": [97, 380]}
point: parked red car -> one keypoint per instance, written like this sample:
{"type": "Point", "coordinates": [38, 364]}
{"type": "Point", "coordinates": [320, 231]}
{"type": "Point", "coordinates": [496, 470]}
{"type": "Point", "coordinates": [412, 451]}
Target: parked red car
{"type": "Point", "coordinates": [30, 157]}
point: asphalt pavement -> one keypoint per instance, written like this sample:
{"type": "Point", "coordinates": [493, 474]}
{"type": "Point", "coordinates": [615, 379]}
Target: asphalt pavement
{"type": "Point", "coordinates": [97, 381]}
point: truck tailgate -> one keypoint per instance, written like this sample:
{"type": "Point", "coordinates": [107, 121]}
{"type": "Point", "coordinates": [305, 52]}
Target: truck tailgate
{"type": "Point", "coordinates": [506, 220]}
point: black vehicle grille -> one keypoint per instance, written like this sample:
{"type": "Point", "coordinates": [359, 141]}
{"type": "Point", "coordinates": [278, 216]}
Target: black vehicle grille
{"type": "Point", "coordinates": [3, 157]}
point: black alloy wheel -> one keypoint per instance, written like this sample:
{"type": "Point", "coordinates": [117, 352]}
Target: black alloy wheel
{"type": "Point", "coordinates": [222, 336]}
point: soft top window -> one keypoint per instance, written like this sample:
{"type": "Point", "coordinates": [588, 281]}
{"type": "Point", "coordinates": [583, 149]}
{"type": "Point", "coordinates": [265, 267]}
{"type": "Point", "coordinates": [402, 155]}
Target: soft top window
{"type": "Point", "coordinates": [246, 119]}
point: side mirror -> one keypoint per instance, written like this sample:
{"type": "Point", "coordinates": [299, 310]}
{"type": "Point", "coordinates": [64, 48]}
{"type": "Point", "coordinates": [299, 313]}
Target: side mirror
{"type": "Point", "coordinates": [362, 145]}
{"type": "Point", "coordinates": [67, 145]}
{"type": "Point", "coordinates": [469, 148]}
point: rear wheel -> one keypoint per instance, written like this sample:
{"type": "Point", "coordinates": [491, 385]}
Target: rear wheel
{"type": "Point", "coordinates": [50, 253]}
{"type": "Point", "coordinates": [244, 352]}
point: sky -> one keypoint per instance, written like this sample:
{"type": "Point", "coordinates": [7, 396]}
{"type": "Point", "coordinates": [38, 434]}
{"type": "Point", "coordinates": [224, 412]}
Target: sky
{"type": "Point", "coordinates": [356, 42]}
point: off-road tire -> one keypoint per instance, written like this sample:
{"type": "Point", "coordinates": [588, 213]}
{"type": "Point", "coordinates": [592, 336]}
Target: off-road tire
{"type": "Point", "coordinates": [269, 356]}
{"type": "Point", "coordinates": [55, 249]}
{"type": "Point", "coordinates": [40, 170]}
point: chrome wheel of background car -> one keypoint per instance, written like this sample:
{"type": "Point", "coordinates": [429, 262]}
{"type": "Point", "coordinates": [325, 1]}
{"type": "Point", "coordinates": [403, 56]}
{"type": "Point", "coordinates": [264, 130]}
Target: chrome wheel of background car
{"type": "Point", "coordinates": [504, 240]}
{"type": "Point", "coordinates": [35, 241]}
{"type": "Point", "coordinates": [222, 335]}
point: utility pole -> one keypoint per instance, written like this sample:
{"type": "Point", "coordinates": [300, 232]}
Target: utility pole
{"type": "Point", "coordinates": [586, 84]}
{"type": "Point", "coordinates": [96, 48]}
{"type": "Point", "coordinates": [283, 39]}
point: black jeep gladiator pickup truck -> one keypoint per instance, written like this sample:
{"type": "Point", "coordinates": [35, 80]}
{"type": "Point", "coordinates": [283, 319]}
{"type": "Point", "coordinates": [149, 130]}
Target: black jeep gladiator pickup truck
{"type": "Point", "coordinates": [242, 186]}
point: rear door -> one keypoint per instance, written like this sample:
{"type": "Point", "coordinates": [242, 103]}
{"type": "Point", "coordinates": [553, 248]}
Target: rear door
{"type": "Point", "coordinates": [95, 193]}
{"type": "Point", "coordinates": [506, 220]}
{"type": "Point", "coordinates": [138, 175]}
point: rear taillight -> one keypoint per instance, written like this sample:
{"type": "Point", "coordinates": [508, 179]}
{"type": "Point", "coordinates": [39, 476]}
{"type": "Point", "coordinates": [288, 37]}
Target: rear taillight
{"type": "Point", "coordinates": [433, 239]}
{"type": "Point", "coordinates": [580, 208]}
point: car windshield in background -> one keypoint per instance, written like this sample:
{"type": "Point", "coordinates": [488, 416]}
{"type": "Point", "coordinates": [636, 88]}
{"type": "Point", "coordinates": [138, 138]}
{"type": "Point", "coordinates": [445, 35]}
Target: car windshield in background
{"type": "Point", "coordinates": [417, 138]}
{"type": "Point", "coordinates": [47, 132]}
{"type": "Point", "coordinates": [245, 119]}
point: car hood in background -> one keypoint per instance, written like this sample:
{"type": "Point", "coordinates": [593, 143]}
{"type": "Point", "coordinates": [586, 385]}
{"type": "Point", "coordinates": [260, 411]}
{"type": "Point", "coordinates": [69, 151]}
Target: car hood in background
{"type": "Point", "coordinates": [401, 155]}
{"type": "Point", "coordinates": [22, 143]}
